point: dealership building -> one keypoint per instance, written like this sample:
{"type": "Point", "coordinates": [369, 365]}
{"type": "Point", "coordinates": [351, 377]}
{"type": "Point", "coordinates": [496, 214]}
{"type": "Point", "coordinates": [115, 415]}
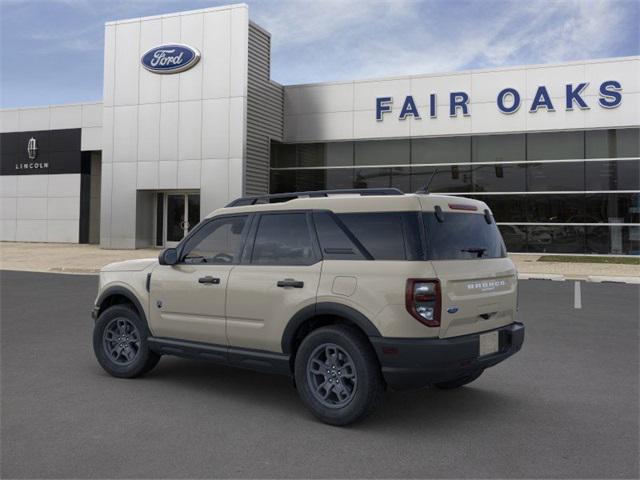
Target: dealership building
{"type": "Point", "coordinates": [190, 120]}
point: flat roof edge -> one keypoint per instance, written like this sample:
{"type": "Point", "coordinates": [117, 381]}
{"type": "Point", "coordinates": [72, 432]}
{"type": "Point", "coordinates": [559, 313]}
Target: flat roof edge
{"type": "Point", "coordinates": [468, 72]}
{"type": "Point", "coordinates": [179, 14]}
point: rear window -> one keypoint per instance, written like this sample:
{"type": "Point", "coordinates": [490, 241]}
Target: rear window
{"type": "Point", "coordinates": [462, 236]}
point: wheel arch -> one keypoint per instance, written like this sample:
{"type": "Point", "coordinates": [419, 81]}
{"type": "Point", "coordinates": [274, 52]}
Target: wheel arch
{"type": "Point", "coordinates": [117, 295]}
{"type": "Point", "coordinates": [320, 314]}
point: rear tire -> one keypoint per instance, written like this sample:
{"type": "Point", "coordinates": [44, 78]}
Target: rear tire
{"type": "Point", "coordinates": [337, 375]}
{"type": "Point", "coordinates": [120, 343]}
{"type": "Point", "coordinates": [459, 382]}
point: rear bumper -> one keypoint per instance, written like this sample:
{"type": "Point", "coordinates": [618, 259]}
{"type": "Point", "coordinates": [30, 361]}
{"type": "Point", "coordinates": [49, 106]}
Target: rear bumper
{"type": "Point", "coordinates": [417, 362]}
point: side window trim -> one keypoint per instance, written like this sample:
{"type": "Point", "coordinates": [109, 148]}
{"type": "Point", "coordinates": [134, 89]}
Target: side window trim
{"type": "Point", "coordinates": [243, 237]}
{"type": "Point", "coordinates": [247, 255]}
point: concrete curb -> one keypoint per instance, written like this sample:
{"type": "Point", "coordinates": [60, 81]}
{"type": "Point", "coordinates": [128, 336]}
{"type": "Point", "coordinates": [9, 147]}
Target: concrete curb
{"type": "Point", "coordinates": [587, 278]}
{"type": "Point", "coordinates": [541, 276]}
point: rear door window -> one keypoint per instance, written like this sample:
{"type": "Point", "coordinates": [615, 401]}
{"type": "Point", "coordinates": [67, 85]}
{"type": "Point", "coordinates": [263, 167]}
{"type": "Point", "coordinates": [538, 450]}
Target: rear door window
{"type": "Point", "coordinates": [386, 235]}
{"type": "Point", "coordinates": [462, 236]}
{"type": "Point", "coordinates": [283, 239]}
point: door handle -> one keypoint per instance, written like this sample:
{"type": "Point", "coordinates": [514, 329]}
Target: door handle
{"type": "Point", "coordinates": [209, 280]}
{"type": "Point", "coordinates": [290, 282]}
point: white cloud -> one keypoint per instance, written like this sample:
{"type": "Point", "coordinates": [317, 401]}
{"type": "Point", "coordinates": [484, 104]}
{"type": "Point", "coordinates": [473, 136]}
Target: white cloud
{"type": "Point", "coordinates": [317, 41]}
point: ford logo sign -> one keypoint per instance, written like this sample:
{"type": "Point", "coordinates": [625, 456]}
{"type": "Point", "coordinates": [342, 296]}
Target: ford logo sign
{"type": "Point", "coordinates": [173, 58]}
{"type": "Point", "coordinates": [452, 310]}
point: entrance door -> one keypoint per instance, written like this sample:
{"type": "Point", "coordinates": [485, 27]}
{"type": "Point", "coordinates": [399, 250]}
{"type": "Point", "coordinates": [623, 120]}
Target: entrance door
{"type": "Point", "coordinates": [182, 214]}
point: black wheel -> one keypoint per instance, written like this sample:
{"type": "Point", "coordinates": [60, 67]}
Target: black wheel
{"type": "Point", "coordinates": [459, 382]}
{"type": "Point", "coordinates": [120, 343]}
{"type": "Point", "coordinates": [337, 375]}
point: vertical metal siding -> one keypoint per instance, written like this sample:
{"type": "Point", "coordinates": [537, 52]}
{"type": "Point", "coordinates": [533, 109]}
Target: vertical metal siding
{"type": "Point", "coordinates": [265, 113]}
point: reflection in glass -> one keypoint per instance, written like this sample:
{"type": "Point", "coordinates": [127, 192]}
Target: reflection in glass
{"type": "Point", "coordinates": [382, 152]}
{"type": "Point", "coordinates": [515, 237]}
{"type": "Point", "coordinates": [555, 145]}
{"type": "Point", "coordinates": [175, 217]}
{"type": "Point", "coordinates": [372, 178]}
{"type": "Point", "coordinates": [505, 208]}
{"type": "Point", "coordinates": [194, 210]}
{"type": "Point", "coordinates": [612, 208]}
{"type": "Point", "coordinates": [613, 175]}
{"type": "Point", "coordinates": [555, 208]}
{"type": "Point", "coordinates": [612, 143]}
{"type": "Point", "coordinates": [499, 148]}
{"type": "Point", "coordinates": [454, 178]}
{"type": "Point", "coordinates": [441, 150]}
{"type": "Point", "coordinates": [556, 239]}
{"type": "Point", "coordinates": [499, 178]}
{"type": "Point", "coordinates": [548, 177]}
{"type": "Point", "coordinates": [614, 240]}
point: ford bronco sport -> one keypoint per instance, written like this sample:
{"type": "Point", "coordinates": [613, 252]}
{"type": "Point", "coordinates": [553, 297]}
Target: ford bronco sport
{"type": "Point", "coordinates": [349, 292]}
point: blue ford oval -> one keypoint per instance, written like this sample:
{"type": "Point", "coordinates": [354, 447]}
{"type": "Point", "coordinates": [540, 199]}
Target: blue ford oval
{"type": "Point", "coordinates": [173, 58]}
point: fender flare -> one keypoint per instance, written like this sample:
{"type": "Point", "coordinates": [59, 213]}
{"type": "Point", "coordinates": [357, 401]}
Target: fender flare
{"type": "Point", "coordinates": [325, 308]}
{"type": "Point", "coordinates": [125, 292]}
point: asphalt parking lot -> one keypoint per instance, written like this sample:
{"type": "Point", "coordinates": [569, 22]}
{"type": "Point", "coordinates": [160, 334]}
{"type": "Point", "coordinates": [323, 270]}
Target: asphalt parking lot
{"type": "Point", "coordinates": [565, 406]}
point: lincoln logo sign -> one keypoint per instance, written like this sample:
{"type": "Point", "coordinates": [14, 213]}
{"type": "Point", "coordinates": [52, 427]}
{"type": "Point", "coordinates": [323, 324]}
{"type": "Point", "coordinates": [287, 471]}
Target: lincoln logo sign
{"type": "Point", "coordinates": [508, 101]}
{"type": "Point", "coordinates": [32, 154]}
{"type": "Point", "coordinates": [172, 58]}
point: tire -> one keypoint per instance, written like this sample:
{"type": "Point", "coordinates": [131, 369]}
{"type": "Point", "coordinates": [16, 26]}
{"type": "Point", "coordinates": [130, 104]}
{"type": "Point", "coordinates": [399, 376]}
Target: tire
{"type": "Point", "coordinates": [459, 382]}
{"type": "Point", "coordinates": [131, 358]}
{"type": "Point", "coordinates": [341, 358]}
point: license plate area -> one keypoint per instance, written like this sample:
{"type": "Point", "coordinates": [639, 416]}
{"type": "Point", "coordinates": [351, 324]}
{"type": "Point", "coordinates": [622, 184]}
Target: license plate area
{"type": "Point", "coordinates": [489, 343]}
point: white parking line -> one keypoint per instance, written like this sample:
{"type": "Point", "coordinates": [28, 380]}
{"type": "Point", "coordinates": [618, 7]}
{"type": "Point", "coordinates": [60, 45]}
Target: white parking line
{"type": "Point", "coordinates": [577, 296]}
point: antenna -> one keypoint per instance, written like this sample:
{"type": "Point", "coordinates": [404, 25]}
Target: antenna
{"type": "Point", "coordinates": [425, 188]}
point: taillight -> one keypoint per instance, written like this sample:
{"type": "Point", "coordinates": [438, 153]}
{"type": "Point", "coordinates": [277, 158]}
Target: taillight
{"type": "Point", "coordinates": [423, 301]}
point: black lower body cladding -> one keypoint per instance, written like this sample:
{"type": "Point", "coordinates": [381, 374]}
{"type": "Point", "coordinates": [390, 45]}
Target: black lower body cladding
{"type": "Point", "coordinates": [409, 363]}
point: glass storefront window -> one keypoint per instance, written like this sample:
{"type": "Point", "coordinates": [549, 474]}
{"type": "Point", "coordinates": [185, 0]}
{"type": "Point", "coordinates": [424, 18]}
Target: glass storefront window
{"type": "Point", "coordinates": [612, 143]}
{"type": "Point", "coordinates": [401, 179]}
{"type": "Point", "coordinates": [447, 179]}
{"type": "Point", "coordinates": [515, 237]}
{"type": "Point", "coordinates": [505, 208]}
{"type": "Point", "coordinates": [555, 145]}
{"type": "Point", "coordinates": [499, 148]}
{"type": "Point", "coordinates": [549, 177]}
{"type": "Point", "coordinates": [555, 208]}
{"type": "Point", "coordinates": [372, 178]}
{"type": "Point", "coordinates": [613, 240]}
{"type": "Point", "coordinates": [441, 150]}
{"type": "Point", "coordinates": [612, 208]}
{"type": "Point", "coordinates": [338, 178]}
{"type": "Point", "coordinates": [382, 152]}
{"type": "Point", "coordinates": [283, 155]}
{"type": "Point", "coordinates": [555, 239]}
{"type": "Point", "coordinates": [499, 178]}
{"type": "Point", "coordinates": [613, 175]}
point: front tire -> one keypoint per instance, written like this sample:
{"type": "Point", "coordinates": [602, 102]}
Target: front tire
{"type": "Point", "coordinates": [120, 343]}
{"type": "Point", "coordinates": [337, 375]}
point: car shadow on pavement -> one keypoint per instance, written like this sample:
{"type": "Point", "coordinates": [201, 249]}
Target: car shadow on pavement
{"type": "Point", "coordinates": [412, 409]}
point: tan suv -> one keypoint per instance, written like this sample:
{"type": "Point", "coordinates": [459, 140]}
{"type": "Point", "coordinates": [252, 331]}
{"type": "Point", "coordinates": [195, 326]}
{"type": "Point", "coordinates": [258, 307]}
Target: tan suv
{"type": "Point", "coordinates": [348, 292]}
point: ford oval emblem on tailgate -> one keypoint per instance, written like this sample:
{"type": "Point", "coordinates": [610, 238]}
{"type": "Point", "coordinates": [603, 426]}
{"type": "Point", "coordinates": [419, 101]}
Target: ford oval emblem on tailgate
{"type": "Point", "coordinates": [452, 309]}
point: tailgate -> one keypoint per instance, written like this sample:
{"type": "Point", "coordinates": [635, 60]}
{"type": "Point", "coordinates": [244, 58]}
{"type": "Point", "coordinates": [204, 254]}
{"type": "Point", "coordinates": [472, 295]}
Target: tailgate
{"type": "Point", "coordinates": [477, 295]}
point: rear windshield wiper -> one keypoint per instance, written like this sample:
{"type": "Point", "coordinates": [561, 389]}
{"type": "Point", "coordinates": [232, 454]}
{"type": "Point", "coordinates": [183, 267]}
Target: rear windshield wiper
{"type": "Point", "coordinates": [478, 251]}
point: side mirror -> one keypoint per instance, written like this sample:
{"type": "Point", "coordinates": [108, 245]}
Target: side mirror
{"type": "Point", "coordinates": [169, 256]}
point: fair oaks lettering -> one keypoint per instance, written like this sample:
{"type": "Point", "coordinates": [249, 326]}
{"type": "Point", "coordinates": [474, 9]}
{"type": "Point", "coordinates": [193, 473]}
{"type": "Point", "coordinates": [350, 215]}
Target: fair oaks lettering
{"type": "Point", "coordinates": [508, 101]}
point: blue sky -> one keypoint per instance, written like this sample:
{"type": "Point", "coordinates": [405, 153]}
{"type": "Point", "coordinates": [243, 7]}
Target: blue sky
{"type": "Point", "coordinates": [51, 50]}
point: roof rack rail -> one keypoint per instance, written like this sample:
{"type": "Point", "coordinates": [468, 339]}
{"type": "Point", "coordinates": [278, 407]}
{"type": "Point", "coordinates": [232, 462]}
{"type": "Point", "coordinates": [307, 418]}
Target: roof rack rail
{"type": "Point", "coordinates": [285, 197]}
